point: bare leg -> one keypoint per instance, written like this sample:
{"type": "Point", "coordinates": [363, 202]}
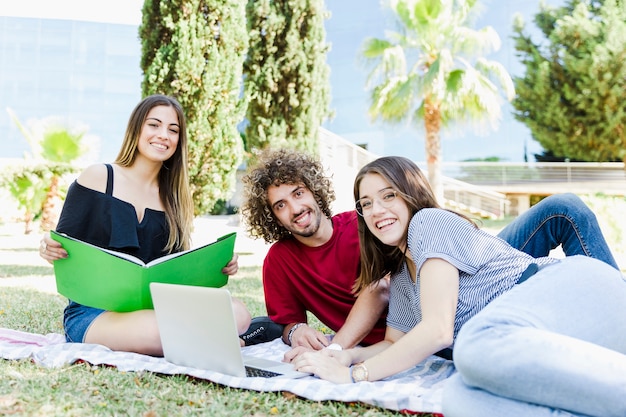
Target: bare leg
{"type": "Point", "coordinates": [242, 316]}
{"type": "Point", "coordinates": [136, 331]}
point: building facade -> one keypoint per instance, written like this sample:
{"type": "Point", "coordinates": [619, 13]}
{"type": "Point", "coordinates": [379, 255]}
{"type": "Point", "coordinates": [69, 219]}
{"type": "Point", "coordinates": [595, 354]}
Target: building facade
{"type": "Point", "coordinates": [85, 72]}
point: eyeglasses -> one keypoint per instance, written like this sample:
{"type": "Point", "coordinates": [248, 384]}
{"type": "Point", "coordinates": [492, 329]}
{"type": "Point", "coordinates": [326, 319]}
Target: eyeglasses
{"type": "Point", "coordinates": [364, 206]}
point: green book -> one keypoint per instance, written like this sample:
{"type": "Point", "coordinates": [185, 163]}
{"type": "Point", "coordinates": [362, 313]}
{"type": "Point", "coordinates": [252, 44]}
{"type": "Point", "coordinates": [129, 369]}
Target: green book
{"type": "Point", "coordinates": [115, 281]}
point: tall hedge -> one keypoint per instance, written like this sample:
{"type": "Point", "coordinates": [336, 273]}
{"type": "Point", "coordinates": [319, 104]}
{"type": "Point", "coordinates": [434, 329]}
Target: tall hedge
{"type": "Point", "coordinates": [286, 75]}
{"type": "Point", "coordinates": [194, 50]}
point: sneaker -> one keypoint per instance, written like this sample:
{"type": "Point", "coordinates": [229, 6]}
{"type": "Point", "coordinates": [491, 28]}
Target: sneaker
{"type": "Point", "coordinates": [262, 329]}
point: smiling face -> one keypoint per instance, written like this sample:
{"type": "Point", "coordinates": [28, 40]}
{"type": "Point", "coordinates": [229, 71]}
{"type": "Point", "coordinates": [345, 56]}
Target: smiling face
{"type": "Point", "coordinates": [386, 218]}
{"type": "Point", "coordinates": [159, 134]}
{"type": "Point", "coordinates": [295, 208]}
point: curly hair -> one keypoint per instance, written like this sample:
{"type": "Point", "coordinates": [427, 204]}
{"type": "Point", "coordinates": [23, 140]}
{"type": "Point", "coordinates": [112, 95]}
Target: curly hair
{"type": "Point", "coordinates": [278, 167]}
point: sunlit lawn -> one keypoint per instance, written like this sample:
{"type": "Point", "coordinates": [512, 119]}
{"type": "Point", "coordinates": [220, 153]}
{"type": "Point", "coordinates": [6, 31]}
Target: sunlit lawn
{"type": "Point", "coordinates": [27, 389]}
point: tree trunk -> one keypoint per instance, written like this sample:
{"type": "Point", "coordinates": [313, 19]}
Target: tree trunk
{"type": "Point", "coordinates": [432, 121]}
{"type": "Point", "coordinates": [49, 214]}
{"type": "Point", "coordinates": [28, 222]}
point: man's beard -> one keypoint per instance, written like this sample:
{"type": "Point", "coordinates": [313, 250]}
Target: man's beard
{"type": "Point", "coordinates": [312, 228]}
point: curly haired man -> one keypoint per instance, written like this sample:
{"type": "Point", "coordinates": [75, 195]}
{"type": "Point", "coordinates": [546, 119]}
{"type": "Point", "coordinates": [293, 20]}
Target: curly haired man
{"type": "Point", "coordinates": [315, 260]}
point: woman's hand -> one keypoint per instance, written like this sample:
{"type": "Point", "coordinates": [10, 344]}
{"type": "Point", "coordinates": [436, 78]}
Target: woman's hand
{"type": "Point", "coordinates": [292, 354]}
{"type": "Point", "coordinates": [50, 249]}
{"type": "Point", "coordinates": [232, 267]}
{"type": "Point", "coordinates": [331, 365]}
{"type": "Point", "coordinates": [343, 356]}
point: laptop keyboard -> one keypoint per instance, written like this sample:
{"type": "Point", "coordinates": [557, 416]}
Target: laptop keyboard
{"type": "Point", "coordinates": [262, 373]}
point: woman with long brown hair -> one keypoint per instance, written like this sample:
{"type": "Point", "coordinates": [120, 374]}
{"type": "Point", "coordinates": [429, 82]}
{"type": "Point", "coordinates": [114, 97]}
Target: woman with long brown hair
{"type": "Point", "coordinates": [141, 205]}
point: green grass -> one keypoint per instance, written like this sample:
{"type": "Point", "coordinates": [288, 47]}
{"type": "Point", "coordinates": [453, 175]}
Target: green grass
{"type": "Point", "coordinates": [27, 389]}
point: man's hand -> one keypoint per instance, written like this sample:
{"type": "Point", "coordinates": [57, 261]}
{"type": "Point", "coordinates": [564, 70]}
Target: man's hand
{"type": "Point", "coordinates": [305, 336]}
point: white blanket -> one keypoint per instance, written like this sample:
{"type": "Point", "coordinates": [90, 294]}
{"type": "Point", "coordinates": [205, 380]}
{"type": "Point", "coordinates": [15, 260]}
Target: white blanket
{"type": "Point", "coordinates": [416, 390]}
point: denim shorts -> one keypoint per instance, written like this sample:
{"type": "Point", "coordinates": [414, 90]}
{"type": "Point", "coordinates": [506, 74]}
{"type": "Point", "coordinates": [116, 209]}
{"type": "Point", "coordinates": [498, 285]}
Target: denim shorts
{"type": "Point", "coordinates": [76, 320]}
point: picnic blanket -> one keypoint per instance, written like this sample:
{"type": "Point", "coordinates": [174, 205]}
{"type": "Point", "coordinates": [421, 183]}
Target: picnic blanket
{"type": "Point", "coordinates": [416, 390]}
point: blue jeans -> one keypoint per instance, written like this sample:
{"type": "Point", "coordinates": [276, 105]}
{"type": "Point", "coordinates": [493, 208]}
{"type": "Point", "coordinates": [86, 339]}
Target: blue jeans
{"type": "Point", "coordinates": [561, 219]}
{"type": "Point", "coordinates": [554, 345]}
{"type": "Point", "coordinates": [77, 319]}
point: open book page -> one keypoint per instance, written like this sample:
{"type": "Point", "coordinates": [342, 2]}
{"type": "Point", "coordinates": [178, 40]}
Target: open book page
{"type": "Point", "coordinates": [169, 256]}
{"type": "Point", "coordinates": [177, 254]}
{"type": "Point", "coordinates": [112, 252]}
{"type": "Point", "coordinates": [121, 255]}
{"type": "Point", "coordinates": [134, 259]}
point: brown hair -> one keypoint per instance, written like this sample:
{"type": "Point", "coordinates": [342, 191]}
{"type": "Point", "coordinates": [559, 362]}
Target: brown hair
{"type": "Point", "coordinates": [404, 176]}
{"type": "Point", "coordinates": [173, 178]}
{"type": "Point", "coordinates": [278, 167]}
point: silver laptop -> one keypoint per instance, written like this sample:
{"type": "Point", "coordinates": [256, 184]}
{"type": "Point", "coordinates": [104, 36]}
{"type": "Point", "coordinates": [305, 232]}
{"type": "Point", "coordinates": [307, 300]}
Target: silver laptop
{"type": "Point", "coordinates": [197, 327]}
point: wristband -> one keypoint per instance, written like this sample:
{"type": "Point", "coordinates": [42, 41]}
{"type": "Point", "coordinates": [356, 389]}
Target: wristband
{"type": "Point", "coordinates": [334, 346]}
{"type": "Point", "coordinates": [293, 329]}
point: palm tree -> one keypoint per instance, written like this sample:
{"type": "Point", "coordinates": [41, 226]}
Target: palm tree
{"type": "Point", "coordinates": [36, 185]}
{"type": "Point", "coordinates": [432, 69]}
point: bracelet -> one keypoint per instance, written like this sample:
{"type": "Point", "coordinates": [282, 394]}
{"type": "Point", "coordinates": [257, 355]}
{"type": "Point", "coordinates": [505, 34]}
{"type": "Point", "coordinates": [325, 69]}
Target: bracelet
{"type": "Point", "coordinates": [293, 329]}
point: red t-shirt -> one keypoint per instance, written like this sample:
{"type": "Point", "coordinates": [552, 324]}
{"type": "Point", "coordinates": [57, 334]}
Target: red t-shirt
{"type": "Point", "coordinates": [299, 278]}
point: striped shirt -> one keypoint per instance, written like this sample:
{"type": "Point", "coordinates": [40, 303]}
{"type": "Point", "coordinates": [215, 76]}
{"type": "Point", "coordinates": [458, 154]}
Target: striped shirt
{"type": "Point", "coordinates": [488, 266]}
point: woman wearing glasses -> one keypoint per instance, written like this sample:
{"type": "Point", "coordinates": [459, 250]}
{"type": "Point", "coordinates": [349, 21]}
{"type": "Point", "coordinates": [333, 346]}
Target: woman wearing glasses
{"type": "Point", "coordinates": [530, 335]}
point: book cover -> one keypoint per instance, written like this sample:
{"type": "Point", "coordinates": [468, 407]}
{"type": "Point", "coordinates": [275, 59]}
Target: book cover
{"type": "Point", "coordinates": [115, 281]}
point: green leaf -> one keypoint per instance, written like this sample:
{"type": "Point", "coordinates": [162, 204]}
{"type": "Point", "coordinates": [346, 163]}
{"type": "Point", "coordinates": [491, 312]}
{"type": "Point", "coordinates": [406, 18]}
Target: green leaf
{"type": "Point", "coordinates": [454, 80]}
{"type": "Point", "coordinates": [427, 11]}
{"type": "Point", "coordinates": [61, 145]}
{"type": "Point", "coordinates": [374, 47]}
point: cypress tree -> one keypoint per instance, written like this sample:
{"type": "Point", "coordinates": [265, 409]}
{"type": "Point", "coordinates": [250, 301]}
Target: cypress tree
{"type": "Point", "coordinates": [286, 75]}
{"type": "Point", "coordinates": [194, 50]}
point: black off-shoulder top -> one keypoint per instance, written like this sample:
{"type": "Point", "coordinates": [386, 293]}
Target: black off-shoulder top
{"type": "Point", "coordinates": [105, 221]}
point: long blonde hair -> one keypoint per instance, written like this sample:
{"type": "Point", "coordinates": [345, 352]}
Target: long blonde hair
{"type": "Point", "coordinates": [173, 178]}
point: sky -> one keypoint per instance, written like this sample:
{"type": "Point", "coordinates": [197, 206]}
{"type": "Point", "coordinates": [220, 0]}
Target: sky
{"type": "Point", "coordinates": [345, 32]}
{"type": "Point", "coordinates": [93, 11]}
